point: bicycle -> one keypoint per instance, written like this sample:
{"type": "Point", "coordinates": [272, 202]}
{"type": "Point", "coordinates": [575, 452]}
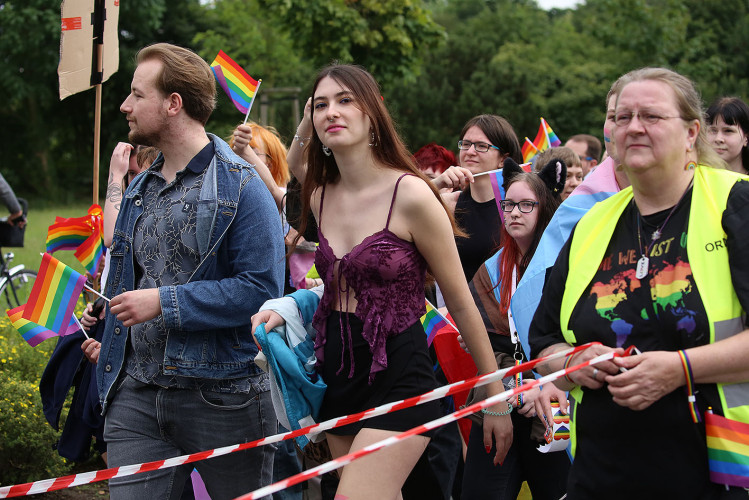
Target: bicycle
{"type": "Point", "coordinates": [15, 282]}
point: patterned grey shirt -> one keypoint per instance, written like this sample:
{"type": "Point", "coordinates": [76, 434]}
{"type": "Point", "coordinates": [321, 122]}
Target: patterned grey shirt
{"type": "Point", "coordinates": [166, 253]}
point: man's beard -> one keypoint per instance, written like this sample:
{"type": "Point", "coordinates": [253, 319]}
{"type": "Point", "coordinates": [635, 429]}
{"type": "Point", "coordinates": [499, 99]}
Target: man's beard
{"type": "Point", "coordinates": [150, 138]}
{"type": "Point", "coordinates": [143, 139]}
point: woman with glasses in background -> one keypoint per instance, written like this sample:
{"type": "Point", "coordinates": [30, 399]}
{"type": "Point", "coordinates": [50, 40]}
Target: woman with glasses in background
{"type": "Point", "coordinates": [485, 142]}
{"type": "Point", "coordinates": [530, 202]}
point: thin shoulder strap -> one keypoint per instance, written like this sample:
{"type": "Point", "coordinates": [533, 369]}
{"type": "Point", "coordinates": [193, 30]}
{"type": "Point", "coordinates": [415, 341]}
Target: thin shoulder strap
{"type": "Point", "coordinates": [392, 202]}
{"type": "Point", "coordinates": [322, 199]}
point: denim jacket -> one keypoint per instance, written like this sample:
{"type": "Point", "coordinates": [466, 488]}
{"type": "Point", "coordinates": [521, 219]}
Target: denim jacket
{"type": "Point", "coordinates": [241, 266]}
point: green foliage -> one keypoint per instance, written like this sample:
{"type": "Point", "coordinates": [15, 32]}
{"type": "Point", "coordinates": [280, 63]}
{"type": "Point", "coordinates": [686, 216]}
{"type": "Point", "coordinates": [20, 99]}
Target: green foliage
{"type": "Point", "coordinates": [511, 58]}
{"type": "Point", "coordinates": [26, 438]}
{"type": "Point", "coordinates": [439, 62]}
{"type": "Point", "coordinates": [388, 37]}
{"type": "Point", "coordinates": [249, 34]}
{"type": "Point", "coordinates": [47, 144]}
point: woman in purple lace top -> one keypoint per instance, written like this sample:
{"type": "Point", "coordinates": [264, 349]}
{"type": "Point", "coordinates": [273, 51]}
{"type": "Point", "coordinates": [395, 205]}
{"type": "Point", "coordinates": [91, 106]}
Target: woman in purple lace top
{"type": "Point", "coordinates": [381, 225]}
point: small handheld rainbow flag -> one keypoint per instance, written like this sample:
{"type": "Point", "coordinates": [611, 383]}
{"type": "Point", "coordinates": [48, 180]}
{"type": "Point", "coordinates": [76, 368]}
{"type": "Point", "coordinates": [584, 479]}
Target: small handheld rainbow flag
{"type": "Point", "coordinates": [82, 234]}
{"type": "Point", "coordinates": [35, 334]}
{"type": "Point", "coordinates": [433, 321]}
{"type": "Point", "coordinates": [238, 85]}
{"type": "Point", "coordinates": [91, 251]}
{"type": "Point", "coordinates": [550, 135]}
{"type": "Point", "coordinates": [727, 450]}
{"type": "Point", "coordinates": [528, 150]}
{"type": "Point", "coordinates": [546, 138]}
{"type": "Point", "coordinates": [54, 295]}
{"type": "Point", "coordinates": [66, 235]}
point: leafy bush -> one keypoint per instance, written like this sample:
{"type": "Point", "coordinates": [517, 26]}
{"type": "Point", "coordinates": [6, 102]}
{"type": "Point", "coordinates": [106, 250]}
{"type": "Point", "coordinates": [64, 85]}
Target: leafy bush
{"type": "Point", "coordinates": [26, 438]}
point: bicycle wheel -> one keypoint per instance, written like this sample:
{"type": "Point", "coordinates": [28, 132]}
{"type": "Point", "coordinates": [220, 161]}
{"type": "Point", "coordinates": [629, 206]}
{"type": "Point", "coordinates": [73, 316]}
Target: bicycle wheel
{"type": "Point", "coordinates": [18, 288]}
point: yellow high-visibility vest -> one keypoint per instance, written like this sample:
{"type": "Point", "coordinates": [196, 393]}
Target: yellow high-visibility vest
{"type": "Point", "coordinates": [708, 258]}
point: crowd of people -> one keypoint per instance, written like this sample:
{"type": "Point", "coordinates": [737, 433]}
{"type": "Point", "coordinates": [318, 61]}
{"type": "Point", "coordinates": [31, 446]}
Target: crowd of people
{"type": "Point", "coordinates": [634, 244]}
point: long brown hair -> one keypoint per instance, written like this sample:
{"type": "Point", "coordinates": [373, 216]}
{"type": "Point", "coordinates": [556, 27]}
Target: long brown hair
{"type": "Point", "coordinates": [388, 148]}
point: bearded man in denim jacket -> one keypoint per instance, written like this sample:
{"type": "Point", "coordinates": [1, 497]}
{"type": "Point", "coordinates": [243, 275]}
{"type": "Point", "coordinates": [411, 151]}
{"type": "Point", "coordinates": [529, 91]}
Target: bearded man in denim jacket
{"type": "Point", "coordinates": [197, 249]}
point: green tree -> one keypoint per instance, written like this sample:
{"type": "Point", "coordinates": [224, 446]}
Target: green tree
{"type": "Point", "coordinates": [259, 42]}
{"type": "Point", "coordinates": [48, 143]}
{"type": "Point", "coordinates": [388, 37]}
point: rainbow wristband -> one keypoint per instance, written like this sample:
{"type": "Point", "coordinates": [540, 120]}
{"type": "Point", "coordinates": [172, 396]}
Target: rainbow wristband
{"type": "Point", "coordinates": [518, 383]}
{"type": "Point", "coordinates": [567, 361]}
{"type": "Point", "coordinates": [687, 366]}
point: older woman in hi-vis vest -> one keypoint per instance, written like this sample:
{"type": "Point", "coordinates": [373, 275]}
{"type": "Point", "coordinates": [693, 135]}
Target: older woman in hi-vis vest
{"type": "Point", "coordinates": [663, 266]}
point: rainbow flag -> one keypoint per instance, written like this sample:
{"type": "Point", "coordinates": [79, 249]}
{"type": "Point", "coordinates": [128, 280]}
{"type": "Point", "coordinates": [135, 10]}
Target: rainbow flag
{"type": "Point", "coordinates": [238, 85]}
{"type": "Point", "coordinates": [433, 322]}
{"type": "Point", "coordinates": [550, 135]}
{"type": "Point", "coordinates": [82, 234]}
{"type": "Point", "coordinates": [546, 138]}
{"type": "Point", "coordinates": [727, 450]}
{"type": "Point", "coordinates": [66, 235]}
{"type": "Point", "coordinates": [32, 333]}
{"type": "Point", "coordinates": [91, 251]}
{"type": "Point", "coordinates": [54, 295]}
{"type": "Point", "coordinates": [528, 150]}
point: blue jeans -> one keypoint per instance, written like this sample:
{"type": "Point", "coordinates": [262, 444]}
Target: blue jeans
{"type": "Point", "coordinates": [146, 423]}
{"type": "Point", "coordinates": [286, 464]}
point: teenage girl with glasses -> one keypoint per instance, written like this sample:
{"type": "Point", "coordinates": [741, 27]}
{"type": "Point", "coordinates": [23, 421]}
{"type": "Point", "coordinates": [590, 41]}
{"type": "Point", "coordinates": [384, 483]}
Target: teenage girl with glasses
{"type": "Point", "coordinates": [530, 202]}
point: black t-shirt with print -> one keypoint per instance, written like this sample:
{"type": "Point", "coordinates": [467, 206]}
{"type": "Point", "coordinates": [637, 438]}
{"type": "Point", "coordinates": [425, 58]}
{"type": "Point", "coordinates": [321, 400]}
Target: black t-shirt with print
{"type": "Point", "coordinates": [658, 452]}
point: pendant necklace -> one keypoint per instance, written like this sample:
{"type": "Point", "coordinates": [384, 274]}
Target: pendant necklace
{"type": "Point", "coordinates": [644, 262]}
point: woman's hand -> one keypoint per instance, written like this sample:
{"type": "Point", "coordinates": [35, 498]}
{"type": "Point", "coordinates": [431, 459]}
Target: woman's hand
{"type": "Point", "coordinates": [271, 319]}
{"type": "Point", "coordinates": [304, 129]}
{"type": "Point", "coordinates": [528, 410]}
{"type": "Point", "coordinates": [593, 377]}
{"type": "Point", "coordinates": [462, 344]}
{"type": "Point", "coordinates": [649, 377]}
{"type": "Point", "coordinates": [91, 349]}
{"type": "Point", "coordinates": [120, 162]}
{"type": "Point", "coordinates": [453, 178]}
{"type": "Point", "coordinates": [87, 318]}
{"type": "Point", "coordinates": [542, 403]}
{"type": "Point", "coordinates": [498, 431]}
{"type": "Point", "coordinates": [242, 138]}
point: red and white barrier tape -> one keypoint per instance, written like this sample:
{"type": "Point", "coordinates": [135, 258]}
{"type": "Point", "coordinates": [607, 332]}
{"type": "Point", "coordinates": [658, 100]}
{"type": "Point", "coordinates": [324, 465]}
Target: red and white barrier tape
{"type": "Point", "coordinates": [70, 481]}
{"type": "Point", "coordinates": [347, 459]}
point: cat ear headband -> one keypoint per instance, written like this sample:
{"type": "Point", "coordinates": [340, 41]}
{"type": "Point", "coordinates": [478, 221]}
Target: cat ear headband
{"type": "Point", "coordinates": [554, 174]}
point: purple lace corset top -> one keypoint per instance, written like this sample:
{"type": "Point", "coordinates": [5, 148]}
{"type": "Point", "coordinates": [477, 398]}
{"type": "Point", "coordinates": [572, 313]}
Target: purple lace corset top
{"type": "Point", "coordinates": [386, 275]}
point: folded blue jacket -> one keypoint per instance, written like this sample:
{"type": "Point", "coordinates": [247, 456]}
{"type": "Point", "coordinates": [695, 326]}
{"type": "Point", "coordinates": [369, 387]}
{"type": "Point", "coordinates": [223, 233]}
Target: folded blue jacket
{"type": "Point", "coordinates": [288, 353]}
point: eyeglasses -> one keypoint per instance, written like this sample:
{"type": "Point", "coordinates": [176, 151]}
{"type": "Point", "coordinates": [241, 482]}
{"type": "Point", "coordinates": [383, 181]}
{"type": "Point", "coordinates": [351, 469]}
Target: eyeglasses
{"type": "Point", "coordinates": [587, 158]}
{"type": "Point", "coordinates": [480, 147]}
{"type": "Point", "coordinates": [525, 206]}
{"type": "Point", "coordinates": [624, 118]}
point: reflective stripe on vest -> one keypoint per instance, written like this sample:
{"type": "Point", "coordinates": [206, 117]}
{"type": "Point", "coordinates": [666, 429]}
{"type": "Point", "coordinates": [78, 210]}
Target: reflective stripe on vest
{"type": "Point", "coordinates": [708, 258]}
